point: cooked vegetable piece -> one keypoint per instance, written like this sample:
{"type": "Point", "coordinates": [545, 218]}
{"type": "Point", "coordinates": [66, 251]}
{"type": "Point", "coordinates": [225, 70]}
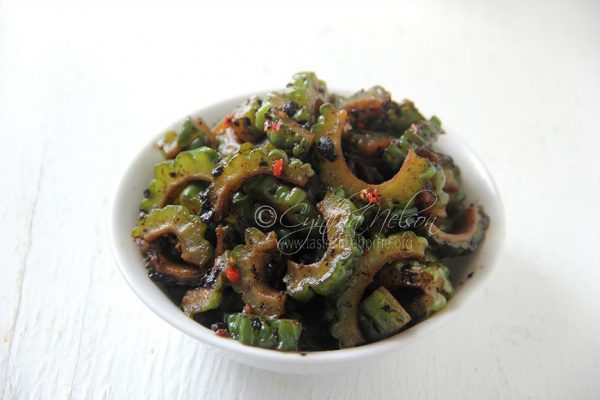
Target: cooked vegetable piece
{"type": "Point", "coordinates": [382, 315]}
{"type": "Point", "coordinates": [405, 245]}
{"type": "Point", "coordinates": [331, 273]}
{"type": "Point", "coordinates": [434, 199]}
{"type": "Point", "coordinates": [250, 261]}
{"type": "Point", "coordinates": [244, 268]}
{"type": "Point", "coordinates": [467, 231]}
{"type": "Point", "coordinates": [172, 176]}
{"type": "Point", "coordinates": [285, 133]}
{"type": "Point", "coordinates": [301, 99]}
{"type": "Point", "coordinates": [270, 333]}
{"type": "Point", "coordinates": [292, 203]}
{"type": "Point", "coordinates": [194, 133]}
{"type": "Point", "coordinates": [399, 191]}
{"type": "Point", "coordinates": [447, 189]}
{"type": "Point", "coordinates": [417, 135]}
{"type": "Point", "coordinates": [210, 295]}
{"type": "Point", "coordinates": [366, 106]}
{"type": "Point", "coordinates": [452, 173]}
{"type": "Point", "coordinates": [242, 123]}
{"type": "Point", "coordinates": [223, 235]}
{"type": "Point", "coordinates": [370, 143]}
{"type": "Point", "coordinates": [431, 278]}
{"type": "Point", "coordinates": [191, 197]}
{"type": "Point", "coordinates": [399, 118]}
{"type": "Point", "coordinates": [443, 194]}
{"type": "Point", "coordinates": [189, 230]}
{"type": "Point", "coordinates": [163, 269]}
{"type": "Point", "coordinates": [249, 162]}
{"type": "Point", "coordinates": [244, 205]}
{"type": "Point", "coordinates": [241, 213]}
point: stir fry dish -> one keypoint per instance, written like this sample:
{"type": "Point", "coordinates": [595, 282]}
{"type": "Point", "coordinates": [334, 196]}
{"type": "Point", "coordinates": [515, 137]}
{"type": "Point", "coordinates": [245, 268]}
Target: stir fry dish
{"type": "Point", "coordinates": [306, 220]}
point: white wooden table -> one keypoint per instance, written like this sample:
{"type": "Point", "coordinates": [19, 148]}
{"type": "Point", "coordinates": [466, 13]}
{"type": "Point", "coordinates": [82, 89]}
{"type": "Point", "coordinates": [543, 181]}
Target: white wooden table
{"type": "Point", "coordinates": [82, 87]}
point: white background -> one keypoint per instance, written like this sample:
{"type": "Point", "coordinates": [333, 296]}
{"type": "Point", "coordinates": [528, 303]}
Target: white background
{"type": "Point", "coordinates": [83, 87]}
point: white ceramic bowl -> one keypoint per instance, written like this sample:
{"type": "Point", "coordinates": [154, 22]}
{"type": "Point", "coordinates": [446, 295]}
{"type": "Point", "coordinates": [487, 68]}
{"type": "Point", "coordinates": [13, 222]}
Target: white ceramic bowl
{"type": "Point", "coordinates": [477, 183]}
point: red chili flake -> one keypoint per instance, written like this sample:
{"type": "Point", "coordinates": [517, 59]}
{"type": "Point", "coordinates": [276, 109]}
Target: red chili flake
{"type": "Point", "coordinates": [233, 275]}
{"type": "Point", "coordinates": [277, 167]}
{"type": "Point", "coordinates": [228, 120]}
{"type": "Point", "coordinates": [372, 196]}
{"type": "Point", "coordinates": [277, 126]}
{"type": "Point", "coordinates": [222, 332]}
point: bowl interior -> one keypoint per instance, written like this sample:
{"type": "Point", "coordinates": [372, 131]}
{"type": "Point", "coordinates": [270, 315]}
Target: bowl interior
{"type": "Point", "coordinates": [468, 273]}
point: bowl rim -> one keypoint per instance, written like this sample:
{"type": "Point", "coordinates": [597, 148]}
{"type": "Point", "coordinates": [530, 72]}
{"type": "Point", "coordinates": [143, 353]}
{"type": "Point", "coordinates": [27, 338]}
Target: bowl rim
{"type": "Point", "coordinates": [207, 336]}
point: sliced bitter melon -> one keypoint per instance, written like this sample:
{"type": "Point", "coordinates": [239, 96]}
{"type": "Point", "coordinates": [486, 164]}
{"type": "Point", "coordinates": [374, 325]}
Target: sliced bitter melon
{"type": "Point", "coordinates": [270, 333]}
{"type": "Point", "coordinates": [172, 176]}
{"type": "Point", "coordinates": [285, 133]}
{"type": "Point", "coordinates": [404, 245]}
{"type": "Point", "coordinates": [399, 118]}
{"type": "Point", "coordinates": [432, 279]}
{"type": "Point", "coordinates": [194, 133]}
{"type": "Point", "coordinates": [291, 203]}
{"type": "Point", "coordinates": [302, 97]}
{"type": "Point", "coordinates": [467, 231]}
{"type": "Point", "coordinates": [189, 231]}
{"type": "Point", "coordinates": [210, 295]}
{"type": "Point", "coordinates": [397, 192]}
{"type": "Point", "coordinates": [417, 136]}
{"type": "Point", "coordinates": [250, 260]}
{"type": "Point", "coordinates": [332, 272]}
{"type": "Point", "coordinates": [242, 123]}
{"type": "Point", "coordinates": [381, 315]}
{"type": "Point", "coordinates": [191, 196]}
{"type": "Point", "coordinates": [249, 162]}
{"type": "Point", "coordinates": [366, 106]}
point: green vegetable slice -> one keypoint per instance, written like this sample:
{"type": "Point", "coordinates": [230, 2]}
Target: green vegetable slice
{"type": "Point", "coordinates": [370, 143]}
{"type": "Point", "coordinates": [415, 137]}
{"type": "Point", "coordinates": [332, 272]}
{"type": "Point", "coordinates": [249, 162]}
{"type": "Point", "coordinates": [467, 231]}
{"type": "Point", "coordinates": [250, 260]}
{"type": "Point", "coordinates": [292, 203]}
{"type": "Point", "coordinates": [209, 296]}
{"type": "Point", "coordinates": [431, 278]}
{"type": "Point", "coordinates": [302, 97]}
{"type": "Point", "coordinates": [285, 133]}
{"type": "Point", "coordinates": [404, 245]}
{"type": "Point", "coordinates": [399, 118]}
{"type": "Point", "coordinates": [270, 333]}
{"type": "Point", "coordinates": [172, 176]}
{"type": "Point", "coordinates": [444, 195]}
{"type": "Point", "coordinates": [194, 133]}
{"type": "Point", "coordinates": [366, 106]}
{"type": "Point", "coordinates": [381, 315]}
{"type": "Point", "coordinates": [191, 197]}
{"type": "Point", "coordinates": [189, 231]}
{"type": "Point", "coordinates": [242, 123]}
{"type": "Point", "coordinates": [241, 214]}
{"type": "Point", "coordinates": [399, 191]}
{"type": "Point", "coordinates": [434, 199]}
